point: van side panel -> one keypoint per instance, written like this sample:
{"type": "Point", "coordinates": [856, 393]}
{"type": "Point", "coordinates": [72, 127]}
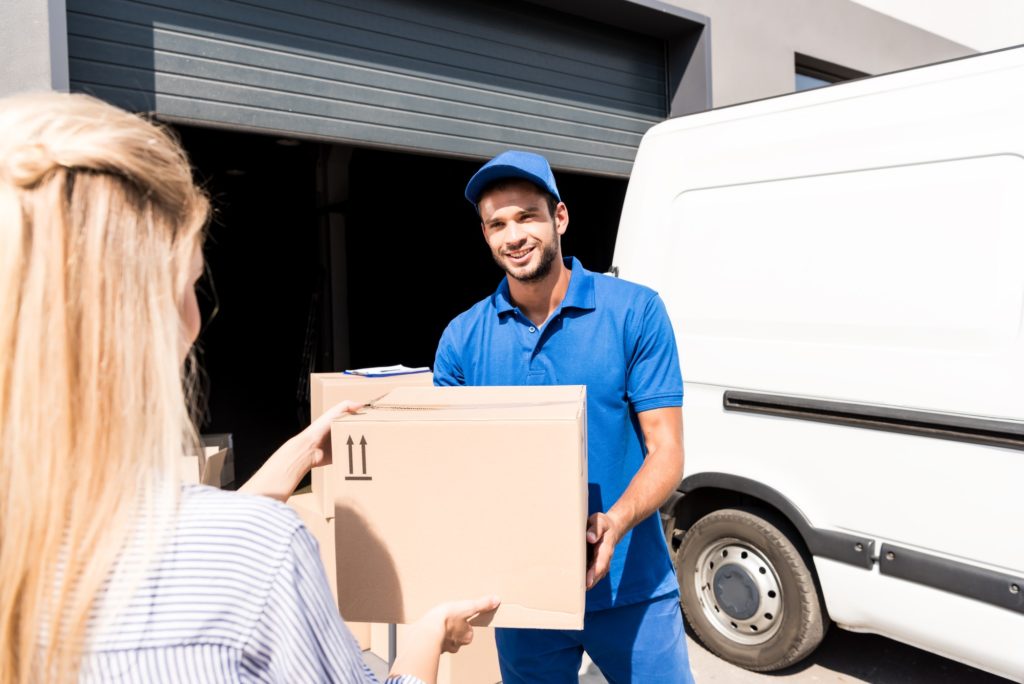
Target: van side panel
{"type": "Point", "coordinates": [966, 631]}
{"type": "Point", "coordinates": [899, 285]}
{"type": "Point", "coordinates": [863, 243]}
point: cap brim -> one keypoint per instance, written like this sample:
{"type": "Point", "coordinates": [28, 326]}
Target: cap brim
{"type": "Point", "coordinates": [487, 175]}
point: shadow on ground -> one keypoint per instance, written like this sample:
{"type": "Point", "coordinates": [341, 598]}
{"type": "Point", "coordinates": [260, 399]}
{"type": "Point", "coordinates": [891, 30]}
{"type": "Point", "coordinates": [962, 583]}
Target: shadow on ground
{"type": "Point", "coordinates": [847, 657]}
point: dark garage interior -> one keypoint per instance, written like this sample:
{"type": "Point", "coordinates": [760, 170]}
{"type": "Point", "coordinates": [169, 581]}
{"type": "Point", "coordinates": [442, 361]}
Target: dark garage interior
{"type": "Point", "coordinates": [413, 258]}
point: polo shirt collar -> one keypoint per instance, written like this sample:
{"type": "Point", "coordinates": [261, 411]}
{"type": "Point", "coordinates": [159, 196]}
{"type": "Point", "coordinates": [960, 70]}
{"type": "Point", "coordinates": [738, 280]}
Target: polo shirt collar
{"type": "Point", "coordinates": [580, 294]}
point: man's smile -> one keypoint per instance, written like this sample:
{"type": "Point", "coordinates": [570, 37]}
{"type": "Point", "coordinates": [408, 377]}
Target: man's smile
{"type": "Point", "coordinates": [519, 255]}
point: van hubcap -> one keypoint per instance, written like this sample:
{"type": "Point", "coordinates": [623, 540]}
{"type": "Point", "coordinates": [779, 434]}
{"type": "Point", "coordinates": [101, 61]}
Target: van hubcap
{"type": "Point", "coordinates": [739, 591]}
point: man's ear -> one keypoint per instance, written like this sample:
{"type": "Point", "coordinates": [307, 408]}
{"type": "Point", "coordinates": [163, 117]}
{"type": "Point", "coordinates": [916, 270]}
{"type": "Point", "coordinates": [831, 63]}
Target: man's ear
{"type": "Point", "coordinates": [561, 218]}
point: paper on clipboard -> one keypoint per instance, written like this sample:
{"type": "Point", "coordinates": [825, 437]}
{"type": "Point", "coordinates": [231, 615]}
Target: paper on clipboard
{"type": "Point", "coordinates": [387, 371]}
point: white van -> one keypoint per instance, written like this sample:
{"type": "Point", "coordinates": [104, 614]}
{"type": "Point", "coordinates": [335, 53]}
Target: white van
{"type": "Point", "coordinates": [844, 269]}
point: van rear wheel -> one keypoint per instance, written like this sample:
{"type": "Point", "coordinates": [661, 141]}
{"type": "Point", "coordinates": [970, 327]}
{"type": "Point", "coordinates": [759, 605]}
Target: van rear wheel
{"type": "Point", "coordinates": [748, 591]}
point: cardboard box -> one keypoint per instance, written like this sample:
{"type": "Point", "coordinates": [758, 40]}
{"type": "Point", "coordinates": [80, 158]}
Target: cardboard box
{"type": "Point", "coordinates": [218, 467]}
{"type": "Point", "coordinates": [322, 529]}
{"type": "Point", "coordinates": [473, 664]}
{"type": "Point", "coordinates": [328, 389]}
{"type": "Point", "coordinates": [217, 461]}
{"type": "Point", "coordinates": [445, 493]}
{"type": "Point", "coordinates": [213, 465]}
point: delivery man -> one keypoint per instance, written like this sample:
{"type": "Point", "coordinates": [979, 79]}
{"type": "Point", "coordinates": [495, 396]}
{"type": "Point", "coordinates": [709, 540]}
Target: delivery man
{"type": "Point", "coordinates": [552, 322]}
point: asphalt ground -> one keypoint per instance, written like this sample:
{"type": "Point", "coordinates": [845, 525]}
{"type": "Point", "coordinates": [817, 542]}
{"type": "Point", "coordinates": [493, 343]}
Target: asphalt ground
{"type": "Point", "coordinates": [842, 657]}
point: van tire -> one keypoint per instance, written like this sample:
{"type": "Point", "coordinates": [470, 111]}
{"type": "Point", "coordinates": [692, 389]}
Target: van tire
{"type": "Point", "coordinates": [731, 608]}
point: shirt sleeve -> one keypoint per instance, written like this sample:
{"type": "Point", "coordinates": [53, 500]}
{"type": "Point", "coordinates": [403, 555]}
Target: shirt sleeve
{"type": "Point", "coordinates": [300, 637]}
{"type": "Point", "coordinates": [653, 377]}
{"type": "Point", "coordinates": [447, 366]}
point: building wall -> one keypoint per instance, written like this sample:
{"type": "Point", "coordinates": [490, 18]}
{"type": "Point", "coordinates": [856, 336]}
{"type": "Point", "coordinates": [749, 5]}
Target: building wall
{"type": "Point", "coordinates": [33, 34]}
{"type": "Point", "coordinates": [753, 43]}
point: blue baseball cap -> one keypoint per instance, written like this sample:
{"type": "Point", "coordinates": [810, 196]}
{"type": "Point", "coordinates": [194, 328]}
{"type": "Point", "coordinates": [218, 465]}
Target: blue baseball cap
{"type": "Point", "coordinates": [513, 164]}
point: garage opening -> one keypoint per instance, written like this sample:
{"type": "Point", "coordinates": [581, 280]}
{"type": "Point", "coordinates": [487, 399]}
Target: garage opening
{"type": "Point", "coordinates": [324, 257]}
{"type": "Point", "coordinates": [264, 270]}
{"type": "Point", "coordinates": [417, 257]}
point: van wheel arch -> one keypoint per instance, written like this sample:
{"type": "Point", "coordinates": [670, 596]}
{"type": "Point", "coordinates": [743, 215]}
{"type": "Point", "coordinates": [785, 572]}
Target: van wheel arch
{"type": "Point", "coordinates": [706, 492]}
{"type": "Point", "coordinates": [704, 500]}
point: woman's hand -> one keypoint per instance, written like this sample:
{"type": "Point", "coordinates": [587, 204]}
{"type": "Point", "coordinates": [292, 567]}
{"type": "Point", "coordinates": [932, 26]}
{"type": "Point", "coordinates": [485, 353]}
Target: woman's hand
{"type": "Point", "coordinates": [455, 620]}
{"type": "Point", "coordinates": [444, 629]}
{"type": "Point", "coordinates": [311, 448]}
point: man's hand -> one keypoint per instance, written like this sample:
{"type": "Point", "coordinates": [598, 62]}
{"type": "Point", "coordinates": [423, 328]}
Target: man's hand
{"type": "Point", "coordinates": [603, 533]}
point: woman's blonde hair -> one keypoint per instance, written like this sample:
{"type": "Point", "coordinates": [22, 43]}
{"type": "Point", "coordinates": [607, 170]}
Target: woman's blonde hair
{"type": "Point", "coordinates": [99, 219]}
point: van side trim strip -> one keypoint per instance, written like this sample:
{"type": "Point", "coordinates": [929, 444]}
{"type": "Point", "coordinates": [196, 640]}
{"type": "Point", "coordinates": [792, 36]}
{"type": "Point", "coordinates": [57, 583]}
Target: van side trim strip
{"type": "Point", "coordinates": [838, 546]}
{"type": "Point", "coordinates": [988, 586]}
{"type": "Point", "coordinates": [998, 433]}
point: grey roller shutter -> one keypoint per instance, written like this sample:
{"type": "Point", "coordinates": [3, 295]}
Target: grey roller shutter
{"type": "Point", "coordinates": [453, 76]}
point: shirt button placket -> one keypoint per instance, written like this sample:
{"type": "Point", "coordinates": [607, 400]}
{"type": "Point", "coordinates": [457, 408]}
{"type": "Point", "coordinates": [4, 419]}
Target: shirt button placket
{"type": "Point", "coordinates": [528, 341]}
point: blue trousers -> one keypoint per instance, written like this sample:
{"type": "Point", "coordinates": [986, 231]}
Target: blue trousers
{"type": "Point", "coordinates": [643, 643]}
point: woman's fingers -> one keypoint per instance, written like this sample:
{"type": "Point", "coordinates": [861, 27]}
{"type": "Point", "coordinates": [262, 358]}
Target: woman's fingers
{"type": "Point", "coordinates": [469, 608]}
{"type": "Point", "coordinates": [458, 632]}
{"type": "Point", "coordinates": [318, 434]}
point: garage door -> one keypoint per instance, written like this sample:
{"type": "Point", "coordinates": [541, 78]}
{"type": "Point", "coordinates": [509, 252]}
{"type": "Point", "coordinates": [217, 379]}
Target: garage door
{"type": "Point", "coordinates": [454, 77]}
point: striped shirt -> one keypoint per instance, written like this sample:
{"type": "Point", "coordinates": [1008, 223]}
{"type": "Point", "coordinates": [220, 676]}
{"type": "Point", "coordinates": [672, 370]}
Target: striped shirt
{"type": "Point", "coordinates": [237, 595]}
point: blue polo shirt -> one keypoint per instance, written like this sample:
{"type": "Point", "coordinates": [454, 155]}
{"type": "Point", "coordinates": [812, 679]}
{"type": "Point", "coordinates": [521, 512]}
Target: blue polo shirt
{"type": "Point", "coordinates": [614, 337]}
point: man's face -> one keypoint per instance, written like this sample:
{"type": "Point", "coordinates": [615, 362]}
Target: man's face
{"type": "Point", "coordinates": [520, 230]}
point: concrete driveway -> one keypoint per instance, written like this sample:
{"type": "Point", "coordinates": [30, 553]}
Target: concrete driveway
{"type": "Point", "coordinates": [842, 657]}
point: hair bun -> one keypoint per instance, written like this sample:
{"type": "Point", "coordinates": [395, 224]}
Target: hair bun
{"type": "Point", "coordinates": [27, 164]}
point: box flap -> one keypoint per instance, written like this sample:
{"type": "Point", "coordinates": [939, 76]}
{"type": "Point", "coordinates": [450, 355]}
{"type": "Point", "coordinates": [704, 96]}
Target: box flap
{"type": "Point", "coordinates": [529, 403]}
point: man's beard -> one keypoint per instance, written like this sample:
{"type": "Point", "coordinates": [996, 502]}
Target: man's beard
{"type": "Point", "coordinates": [547, 260]}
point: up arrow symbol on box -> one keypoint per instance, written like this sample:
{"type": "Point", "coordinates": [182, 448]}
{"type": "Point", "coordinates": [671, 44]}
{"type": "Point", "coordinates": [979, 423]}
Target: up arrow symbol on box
{"type": "Point", "coordinates": [351, 459]}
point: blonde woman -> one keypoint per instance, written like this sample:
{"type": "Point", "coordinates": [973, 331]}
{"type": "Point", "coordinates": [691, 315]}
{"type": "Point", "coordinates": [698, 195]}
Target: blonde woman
{"type": "Point", "coordinates": [109, 568]}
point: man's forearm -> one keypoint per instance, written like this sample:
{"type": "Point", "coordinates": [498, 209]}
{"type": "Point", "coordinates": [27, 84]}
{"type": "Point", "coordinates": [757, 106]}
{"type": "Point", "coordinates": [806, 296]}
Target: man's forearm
{"type": "Point", "coordinates": [660, 473]}
{"type": "Point", "coordinates": [651, 486]}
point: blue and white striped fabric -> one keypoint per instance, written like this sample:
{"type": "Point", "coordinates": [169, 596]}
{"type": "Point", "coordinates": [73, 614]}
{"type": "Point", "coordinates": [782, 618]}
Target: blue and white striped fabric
{"type": "Point", "coordinates": [238, 595]}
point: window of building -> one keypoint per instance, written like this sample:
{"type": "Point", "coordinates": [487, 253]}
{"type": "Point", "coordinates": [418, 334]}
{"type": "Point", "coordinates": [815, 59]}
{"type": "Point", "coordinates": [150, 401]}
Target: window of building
{"type": "Point", "coordinates": [814, 73]}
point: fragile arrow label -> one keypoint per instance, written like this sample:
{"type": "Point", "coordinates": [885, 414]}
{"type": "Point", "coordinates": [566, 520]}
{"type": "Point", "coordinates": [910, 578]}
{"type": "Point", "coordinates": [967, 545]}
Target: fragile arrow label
{"type": "Point", "coordinates": [351, 459]}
